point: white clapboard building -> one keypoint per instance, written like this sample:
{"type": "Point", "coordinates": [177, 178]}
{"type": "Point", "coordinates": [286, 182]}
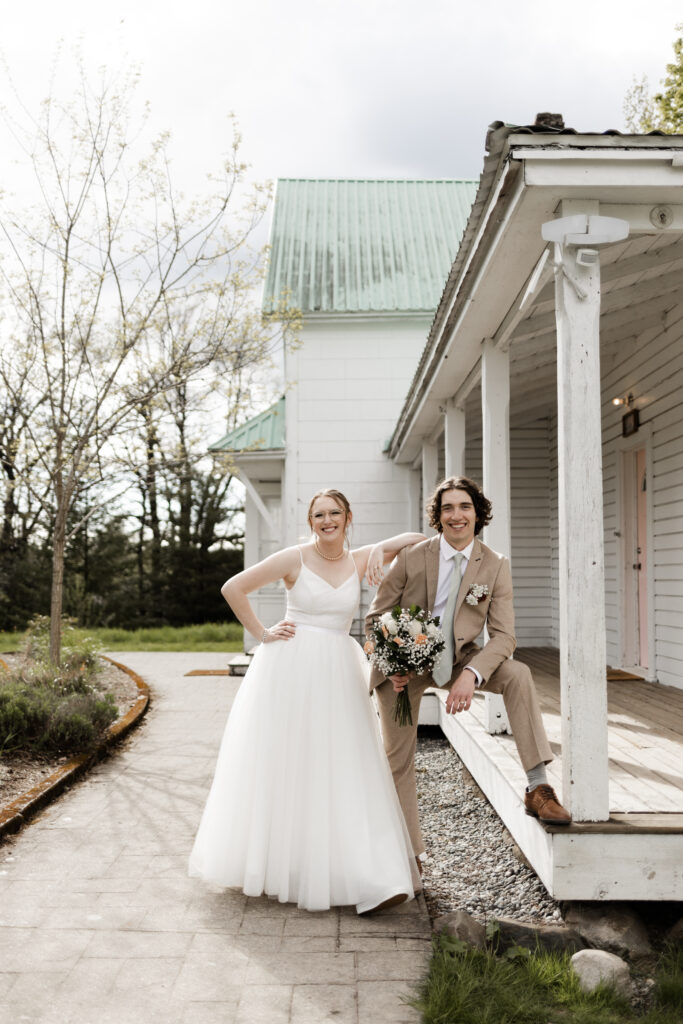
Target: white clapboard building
{"type": "Point", "coordinates": [552, 371]}
{"type": "Point", "coordinates": [365, 262]}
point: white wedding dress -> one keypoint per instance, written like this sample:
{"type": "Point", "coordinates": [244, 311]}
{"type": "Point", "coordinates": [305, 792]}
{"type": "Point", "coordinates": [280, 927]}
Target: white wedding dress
{"type": "Point", "coordinates": [303, 805]}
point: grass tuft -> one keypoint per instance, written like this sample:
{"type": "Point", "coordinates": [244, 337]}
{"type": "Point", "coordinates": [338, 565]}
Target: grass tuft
{"type": "Point", "coordinates": [473, 987]}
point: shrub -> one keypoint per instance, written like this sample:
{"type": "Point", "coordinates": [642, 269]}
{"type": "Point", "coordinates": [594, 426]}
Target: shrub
{"type": "Point", "coordinates": [80, 654]}
{"type": "Point", "coordinates": [36, 717]}
{"type": "Point", "coordinates": [45, 709]}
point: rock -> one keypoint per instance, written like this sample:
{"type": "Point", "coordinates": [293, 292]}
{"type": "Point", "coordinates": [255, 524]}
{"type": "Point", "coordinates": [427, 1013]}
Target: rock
{"type": "Point", "coordinates": [610, 926]}
{"type": "Point", "coordinates": [555, 938]}
{"type": "Point", "coordinates": [675, 933]}
{"type": "Point", "coordinates": [595, 966]}
{"type": "Point", "coordinates": [462, 926]}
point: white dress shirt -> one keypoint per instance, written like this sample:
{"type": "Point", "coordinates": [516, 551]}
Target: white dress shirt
{"type": "Point", "coordinates": [446, 563]}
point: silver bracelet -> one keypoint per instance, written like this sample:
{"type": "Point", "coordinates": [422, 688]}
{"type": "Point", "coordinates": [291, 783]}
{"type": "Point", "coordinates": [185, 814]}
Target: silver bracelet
{"type": "Point", "coordinates": [265, 634]}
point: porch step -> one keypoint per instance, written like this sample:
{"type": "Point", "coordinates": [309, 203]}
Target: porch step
{"type": "Point", "coordinates": [239, 663]}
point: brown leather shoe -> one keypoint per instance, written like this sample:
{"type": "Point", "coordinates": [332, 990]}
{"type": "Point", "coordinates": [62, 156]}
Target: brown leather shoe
{"type": "Point", "coordinates": [542, 803]}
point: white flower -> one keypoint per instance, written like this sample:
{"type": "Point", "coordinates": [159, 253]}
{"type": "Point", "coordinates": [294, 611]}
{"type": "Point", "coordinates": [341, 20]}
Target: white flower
{"type": "Point", "coordinates": [415, 627]}
{"type": "Point", "coordinates": [432, 630]}
{"type": "Point", "coordinates": [389, 621]}
{"type": "Point", "coordinates": [476, 593]}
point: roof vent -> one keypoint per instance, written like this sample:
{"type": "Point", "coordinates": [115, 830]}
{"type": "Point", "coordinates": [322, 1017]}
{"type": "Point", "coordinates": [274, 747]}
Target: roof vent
{"type": "Point", "coordinates": [546, 120]}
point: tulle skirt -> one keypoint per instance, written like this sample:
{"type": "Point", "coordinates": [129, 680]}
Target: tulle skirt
{"type": "Point", "coordinates": [303, 805]}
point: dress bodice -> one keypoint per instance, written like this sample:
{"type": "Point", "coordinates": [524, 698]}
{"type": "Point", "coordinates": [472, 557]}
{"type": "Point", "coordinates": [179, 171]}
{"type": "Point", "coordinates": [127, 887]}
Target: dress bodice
{"type": "Point", "coordinates": [312, 601]}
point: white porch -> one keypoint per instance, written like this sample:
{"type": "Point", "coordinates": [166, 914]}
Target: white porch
{"type": "Point", "coordinates": [530, 348]}
{"type": "Point", "coordinates": [637, 854]}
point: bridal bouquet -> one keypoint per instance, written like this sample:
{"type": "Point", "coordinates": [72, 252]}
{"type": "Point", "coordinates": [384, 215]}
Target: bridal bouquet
{"type": "Point", "coordinates": [405, 640]}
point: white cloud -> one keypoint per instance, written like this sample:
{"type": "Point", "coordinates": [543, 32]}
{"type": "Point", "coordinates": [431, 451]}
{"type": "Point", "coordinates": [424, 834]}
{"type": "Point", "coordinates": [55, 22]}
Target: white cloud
{"type": "Point", "coordinates": [325, 87]}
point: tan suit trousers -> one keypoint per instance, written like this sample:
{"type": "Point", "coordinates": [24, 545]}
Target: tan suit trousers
{"type": "Point", "coordinates": [512, 679]}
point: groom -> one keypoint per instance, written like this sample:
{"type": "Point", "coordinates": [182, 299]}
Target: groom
{"type": "Point", "coordinates": [465, 583]}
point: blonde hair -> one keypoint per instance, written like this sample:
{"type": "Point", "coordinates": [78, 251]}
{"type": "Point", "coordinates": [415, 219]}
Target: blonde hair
{"type": "Point", "coordinates": [329, 492]}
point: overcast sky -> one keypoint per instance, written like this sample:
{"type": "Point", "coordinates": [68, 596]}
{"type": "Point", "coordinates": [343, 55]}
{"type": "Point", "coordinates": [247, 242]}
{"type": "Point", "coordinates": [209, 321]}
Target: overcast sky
{"type": "Point", "coordinates": [353, 88]}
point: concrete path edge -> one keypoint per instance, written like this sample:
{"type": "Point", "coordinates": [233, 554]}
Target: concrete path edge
{"type": "Point", "coordinates": [24, 807]}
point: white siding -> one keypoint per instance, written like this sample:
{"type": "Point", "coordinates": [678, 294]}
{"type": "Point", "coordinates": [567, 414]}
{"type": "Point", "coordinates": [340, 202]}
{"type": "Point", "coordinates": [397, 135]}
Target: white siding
{"type": "Point", "coordinates": [554, 536]}
{"type": "Point", "coordinates": [473, 458]}
{"type": "Point", "coordinates": [347, 384]}
{"type": "Point", "coordinates": [651, 370]}
{"type": "Point", "coordinates": [533, 521]}
{"type": "Point", "coordinates": [532, 552]}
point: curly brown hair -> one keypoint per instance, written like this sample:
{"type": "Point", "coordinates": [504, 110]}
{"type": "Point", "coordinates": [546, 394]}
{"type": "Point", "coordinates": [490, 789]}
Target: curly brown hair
{"type": "Point", "coordinates": [482, 505]}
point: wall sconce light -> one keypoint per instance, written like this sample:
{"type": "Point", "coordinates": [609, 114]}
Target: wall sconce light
{"type": "Point", "coordinates": [626, 400]}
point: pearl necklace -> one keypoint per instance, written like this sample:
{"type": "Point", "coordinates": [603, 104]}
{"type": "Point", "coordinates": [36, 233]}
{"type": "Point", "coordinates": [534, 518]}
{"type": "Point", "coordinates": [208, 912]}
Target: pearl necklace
{"type": "Point", "coordinates": [329, 558]}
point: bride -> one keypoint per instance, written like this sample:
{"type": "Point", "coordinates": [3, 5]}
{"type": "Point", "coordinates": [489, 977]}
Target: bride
{"type": "Point", "coordinates": [303, 805]}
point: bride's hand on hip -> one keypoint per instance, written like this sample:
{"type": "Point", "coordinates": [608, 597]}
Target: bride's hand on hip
{"type": "Point", "coordinates": [283, 630]}
{"type": "Point", "coordinates": [374, 572]}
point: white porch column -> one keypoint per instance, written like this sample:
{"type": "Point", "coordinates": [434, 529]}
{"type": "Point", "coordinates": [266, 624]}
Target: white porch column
{"type": "Point", "coordinates": [454, 439]}
{"type": "Point", "coordinates": [415, 513]}
{"type": "Point", "coordinates": [495, 409]}
{"type": "Point", "coordinates": [495, 403]}
{"type": "Point", "coordinates": [430, 470]}
{"type": "Point", "coordinates": [582, 576]}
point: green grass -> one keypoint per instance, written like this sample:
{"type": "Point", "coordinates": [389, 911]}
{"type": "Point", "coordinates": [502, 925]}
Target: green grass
{"type": "Point", "coordinates": [466, 986]}
{"type": "Point", "coordinates": [210, 636]}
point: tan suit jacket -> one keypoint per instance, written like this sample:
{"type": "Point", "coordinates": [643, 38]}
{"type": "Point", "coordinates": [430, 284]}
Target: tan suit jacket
{"type": "Point", "coordinates": [413, 579]}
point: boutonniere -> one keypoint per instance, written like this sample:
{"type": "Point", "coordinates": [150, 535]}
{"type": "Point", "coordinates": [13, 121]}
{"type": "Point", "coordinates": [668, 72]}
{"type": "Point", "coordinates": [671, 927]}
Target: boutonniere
{"type": "Point", "coordinates": [477, 593]}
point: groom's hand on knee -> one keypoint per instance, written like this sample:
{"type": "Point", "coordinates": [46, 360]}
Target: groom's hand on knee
{"type": "Point", "coordinates": [461, 693]}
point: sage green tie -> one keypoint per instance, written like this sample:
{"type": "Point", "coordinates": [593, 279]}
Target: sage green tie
{"type": "Point", "coordinates": [444, 664]}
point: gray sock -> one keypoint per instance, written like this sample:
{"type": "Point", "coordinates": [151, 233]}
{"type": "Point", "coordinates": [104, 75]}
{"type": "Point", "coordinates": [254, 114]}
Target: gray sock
{"type": "Point", "coordinates": [536, 776]}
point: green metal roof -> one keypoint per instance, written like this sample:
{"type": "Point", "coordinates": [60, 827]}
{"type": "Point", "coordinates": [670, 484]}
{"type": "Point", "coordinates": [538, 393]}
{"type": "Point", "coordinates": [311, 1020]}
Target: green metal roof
{"type": "Point", "coordinates": [364, 246]}
{"type": "Point", "coordinates": [265, 432]}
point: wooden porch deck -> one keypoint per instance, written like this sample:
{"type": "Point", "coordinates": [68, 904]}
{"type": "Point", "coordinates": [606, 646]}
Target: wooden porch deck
{"type": "Point", "coordinates": [638, 853]}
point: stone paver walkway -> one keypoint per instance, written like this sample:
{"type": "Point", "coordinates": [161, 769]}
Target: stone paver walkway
{"type": "Point", "coordinates": [99, 923]}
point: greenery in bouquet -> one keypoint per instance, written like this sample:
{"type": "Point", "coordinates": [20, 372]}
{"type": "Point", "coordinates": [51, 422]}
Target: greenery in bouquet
{"type": "Point", "coordinates": [404, 641]}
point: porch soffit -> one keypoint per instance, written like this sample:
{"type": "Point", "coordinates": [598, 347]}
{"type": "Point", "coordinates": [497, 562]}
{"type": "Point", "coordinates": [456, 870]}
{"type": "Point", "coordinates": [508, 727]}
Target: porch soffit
{"type": "Point", "coordinates": [643, 278]}
{"type": "Point", "coordinates": [479, 292]}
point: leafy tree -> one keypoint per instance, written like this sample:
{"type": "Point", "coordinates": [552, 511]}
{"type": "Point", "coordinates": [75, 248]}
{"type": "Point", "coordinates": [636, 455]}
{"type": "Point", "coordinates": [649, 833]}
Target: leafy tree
{"type": "Point", "coordinates": [662, 111]}
{"type": "Point", "coordinates": [115, 286]}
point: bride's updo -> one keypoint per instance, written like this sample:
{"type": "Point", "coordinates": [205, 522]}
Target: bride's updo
{"type": "Point", "coordinates": [329, 492]}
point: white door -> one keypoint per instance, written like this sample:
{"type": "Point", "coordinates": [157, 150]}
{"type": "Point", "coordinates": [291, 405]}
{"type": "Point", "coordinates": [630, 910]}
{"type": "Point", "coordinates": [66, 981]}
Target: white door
{"type": "Point", "coordinates": [635, 555]}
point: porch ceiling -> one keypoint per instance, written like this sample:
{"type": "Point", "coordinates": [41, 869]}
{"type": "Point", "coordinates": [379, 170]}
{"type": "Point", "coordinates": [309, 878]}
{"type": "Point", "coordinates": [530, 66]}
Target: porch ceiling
{"type": "Point", "coordinates": [642, 279]}
{"type": "Point", "coordinates": [523, 185]}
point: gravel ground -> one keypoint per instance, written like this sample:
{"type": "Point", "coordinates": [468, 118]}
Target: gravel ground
{"type": "Point", "coordinates": [473, 863]}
